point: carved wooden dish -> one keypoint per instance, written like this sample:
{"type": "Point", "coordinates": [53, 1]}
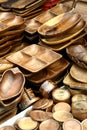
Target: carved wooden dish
{"type": "Point", "coordinates": [11, 84]}
{"type": "Point", "coordinates": [59, 24]}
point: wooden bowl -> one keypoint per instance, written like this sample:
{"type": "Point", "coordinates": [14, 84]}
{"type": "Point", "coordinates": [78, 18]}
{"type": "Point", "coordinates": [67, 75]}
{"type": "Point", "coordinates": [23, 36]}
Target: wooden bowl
{"type": "Point", "coordinates": [61, 94]}
{"type": "Point", "coordinates": [79, 109]}
{"type": "Point", "coordinates": [26, 123]}
{"type": "Point", "coordinates": [79, 97]}
{"type": "Point", "coordinates": [11, 84]}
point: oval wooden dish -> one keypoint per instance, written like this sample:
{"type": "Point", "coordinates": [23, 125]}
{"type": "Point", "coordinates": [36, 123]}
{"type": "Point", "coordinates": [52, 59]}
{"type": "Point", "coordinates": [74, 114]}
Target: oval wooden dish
{"type": "Point", "coordinates": [59, 24]}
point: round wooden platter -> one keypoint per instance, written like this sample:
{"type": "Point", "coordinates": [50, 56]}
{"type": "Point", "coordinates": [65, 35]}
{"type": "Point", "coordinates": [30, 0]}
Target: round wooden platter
{"type": "Point", "coordinates": [72, 124]}
{"type": "Point", "coordinates": [39, 115]}
{"type": "Point", "coordinates": [49, 124]}
{"type": "Point", "coordinates": [40, 104]}
{"type": "Point", "coordinates": [62, 106]}
{"type": "Point", "coordinates": [62, 116]}
{"type": "Point", "coordinates": [26, 123]}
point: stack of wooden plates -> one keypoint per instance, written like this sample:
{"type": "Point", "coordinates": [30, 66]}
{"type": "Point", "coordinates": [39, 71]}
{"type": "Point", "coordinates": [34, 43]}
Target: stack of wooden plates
{"type": "Point", "coordinates": [33, 24]}
{"type": "Point", "coordinates": [11, 31]}
{"type": "Point", "coordinates": [62, 30]}
{"type": "Point", "coordinates": [24, 8]}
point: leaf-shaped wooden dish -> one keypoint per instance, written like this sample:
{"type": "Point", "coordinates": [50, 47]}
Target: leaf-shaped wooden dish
{"type": "Point", "coordinates": [68, 80]}
{"type": "Point", "coordinates": [59, 24]}
{"type": "Point", "coordinates": [11, 84]}
{"type": "Point", "coordinates": [71, 33]}
{"type": "Point", "coordinates": [78, 73]}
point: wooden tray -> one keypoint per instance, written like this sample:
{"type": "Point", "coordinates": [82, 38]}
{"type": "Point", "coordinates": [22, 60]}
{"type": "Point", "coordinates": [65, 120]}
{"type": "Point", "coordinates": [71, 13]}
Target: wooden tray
{"type": "Point", "coordinates": [34, 58]}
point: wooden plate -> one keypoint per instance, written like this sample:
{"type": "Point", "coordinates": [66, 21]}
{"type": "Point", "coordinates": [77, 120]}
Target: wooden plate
{"type": "Point", "coordinates": [61, 106]}
{"type": "Point", "coordinates": [78, 73]}
{"type": "Point", "coordinates": [72, 124]}
{"type": "Point", "coordinates": [49, 124]}
{"type": "Point", "coordinates": [39, 115]}
{"type": "Point", "coordinates": [26, 123]}
{"type": "Point", "coordinates": [62, 116]}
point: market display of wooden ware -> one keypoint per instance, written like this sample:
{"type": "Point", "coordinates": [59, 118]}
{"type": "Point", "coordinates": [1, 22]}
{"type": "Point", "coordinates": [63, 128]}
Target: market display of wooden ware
{"type": "Point", "coordinates": [24, 8]}
{"type": "Point", "coordinates": [10, 33]}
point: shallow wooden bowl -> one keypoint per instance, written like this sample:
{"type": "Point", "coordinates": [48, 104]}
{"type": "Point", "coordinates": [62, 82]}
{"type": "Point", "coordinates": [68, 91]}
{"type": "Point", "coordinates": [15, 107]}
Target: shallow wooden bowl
{"type": "Point", "coordinates": [11, 84]}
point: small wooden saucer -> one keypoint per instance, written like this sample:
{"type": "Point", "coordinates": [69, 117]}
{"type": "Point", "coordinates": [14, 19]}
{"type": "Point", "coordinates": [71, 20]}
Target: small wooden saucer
{"type": "Point", "coordinates": [62, 116]}
{"type": "Point", "coordinates": [49, 124]}
{"type": "Point", "coordinates": [62, 106]}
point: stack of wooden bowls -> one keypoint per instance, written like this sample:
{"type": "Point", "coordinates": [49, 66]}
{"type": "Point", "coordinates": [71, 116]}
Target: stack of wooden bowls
{"type": "Point", "coordinates": [11, 90]}
{"type": "Point", "coordinates": [62, 30]}
{"type": "Point", "coordinates": [25, 8]}
{"type": "Point", "coordinates": [11, 31]}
